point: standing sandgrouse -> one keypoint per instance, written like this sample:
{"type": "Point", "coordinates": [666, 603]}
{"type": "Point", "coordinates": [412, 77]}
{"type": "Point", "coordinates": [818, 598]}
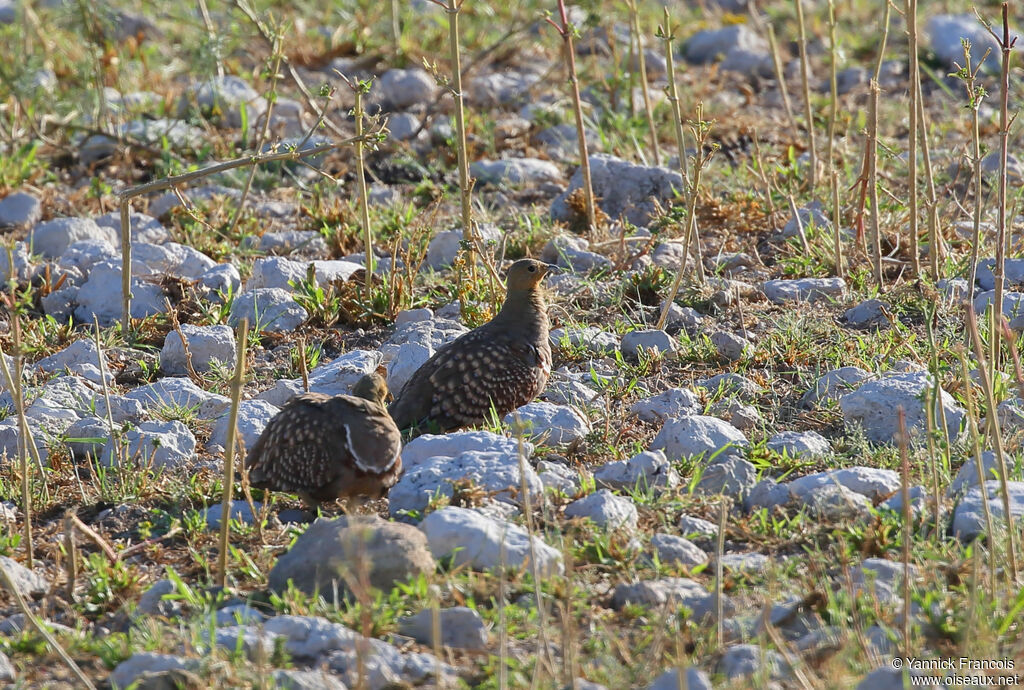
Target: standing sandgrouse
{"type": "Point", "coordinates": [327, 447]}
{"type": "Point", "coordinates": [503, 364]}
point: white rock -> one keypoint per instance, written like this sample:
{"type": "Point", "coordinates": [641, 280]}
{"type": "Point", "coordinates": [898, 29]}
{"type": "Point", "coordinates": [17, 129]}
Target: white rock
{"type": "Point", "coordinates": [403, 126]}
{"type": "Point", "coordinates": [767, 493]}
{"type": "Point", "coordinates": [31, 584]}
{"type": "Point", "coordinates": [497, 88]}
{"type": "Point", "coordinates": [649, 469]}
{"type": "Point", "coordinates": [836, 503]}
{"type": "Point", "coordinates": [732, 384]}
{"type": "Point", "coordinates": [485, 544]}
{"type": "Point", "coordinates": [170, 394]}
{"type": "Point", "coordinates": [430, 333]}
{"type": "Point", "coordinates": [731, 476]}
{"type": "Point", "coordinates": [157, 445]}
{"type": "Point", "coordinates": [308, 242]}
{"type": "Point", "coordinates": [558, 477]}
{"type": "Point", "coordinates": [833, 385]}
{"type": "Point", "coordinates": [50, 238]}
{"type": "Point", "coordinates": [685, 318]}
{"type": "Point", "coordinates": [222, 100]}
{"type": "Point", "coordinates": [169, 258]}
{"type": "Point", "coordinates": [873, 406]}
{"type": "Point", "coordinates": [731, 346]}
{"type": "Point", "coordinates": [210, 347]}
{"type": "Point", "coordinates": [144, 228]}
{"type": "Point", "coordinates": [446, 245]}
{"type": "Point", "coordinates": [402, 88]}
{"type": "Point", "coordinates": [673, 550]}
{"type": "Point", "coordinates": [742, 416]}
{"type": "Point", "coordinates": [341, 374]}
{"type": "Point", "coordinates": [80, 352]}
{"type": "Point", "coordinates": [748, 661]}
{"type": "Point", "coordinates": [279, 272]}
{"type": "Point", "coordinates": [969, 517]}
{"type": "Point", "coordinates": [945, 33]}
{"type": "Point", "coordinates": [283, 391]}
{"type": "Point", "coordinates": [268, 309]}
{"type": "Point", "coordinates": [85, 254]}
{"type": "Point", "coordinates": [622, 188]}
{"type": "Point", "coordinates": [675, 591]}
{"type": "Point", "coordinates": [571, 252]}
{"type": "Point", "coordinates": [593, 339]}
{"type": "Point", "coordinates": [693, 679]}
{"type": "Point", "coordinates": [100, 297]}
{"type": "Point", "coordinates": [20, 210]}
{"type": "Point", "coordinates": [868, 314]}
{"type": "Point", "coordinates": [605, 509]}
{"type": "Point", "coordinates": [967, 476]}
{"type": "Point", "coordinates": [800, 443]}
{"type": "Point", "coordinates": [253, 417]}
{"type": "Point", "coordinates": [561, 142]}
{"type": "Point", "coordinates": [454, 444]}
{"type": "Point", "coordinates": [694, 435]}
{"type": "Point", "coordinates": [675, 402]}
{"type": "Point", "coordinates": [694, 527]}
{"type": "Point", "coordinates": [804, 289]}
{"type": "Point", "coordinates": [872, 482]}
{"type": "Point", "coordinates": [573, 393]}
{"type": "Point", "coordinates": [645, 341]}
{"type": "Point", "coordinates": [461, 628]}
{"type": "Point", "coordinates": [427, 479]}
{"type": "Point", "coordinates": [407, 358]}
{"type": "Point", "coordinates": [221, 280]}
{"type": "Point", "coordinates": [708, 45]}
{"type": "Point", "coordinates": [240, 511]}
{"type": "Point", "coordinates": [811, 216]}
{"type": "Point", "coordinates": [549, 423]}
{"type": "Point", "coordinates": [515, 171]}
{"type": "Point", "coordinates": [126, 672]}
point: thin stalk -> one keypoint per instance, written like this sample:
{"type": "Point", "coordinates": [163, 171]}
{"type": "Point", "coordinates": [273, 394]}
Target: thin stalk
{"type": "Point", "coordinates": [567, 32]}
{"type": "Point", "coordinates": [173, 181]}
{"type": "Point", "coordinates": [972, 424]}
{"type": "Point", "coordinates": [642, 60]}
{"type": "Point", "coordinates": [237, 381]}
{"type": "Point", "coordinates": [364, 197]}
{"type": "Point", "coordinates": [836, 230]}
{"type": "Point", "coordinates": [884, 42]}
{"type": "Point", "coordinates": [211, 34]}
{"type": "Point", "coordinates": [396, 27]}
{"type": "Point", "coordinates": [719, 588]}
{"type": "Point", "coordinates": [908, 530]}
{"type": "Point", "coordinates": [806, 85]}
{"type": "Point", "coordinates": [277, 55]}
{"type": "Point", "coordinates": [1005, 47]}
{"type": "Point", "coordinates": [833, 81]}
{"type": "Point", "coordinates": [872, 182]}
{"type": "Point", "coordinates": [997, 438]}
{"type": "Point", "coordinates": [41, 629]}
{"type": "Point", "coordinates": [936, 249]}
{"type": "Point", "coordinates": [700, 129]}
{"type": "Point", "coordinates": [974, 98]}
{"type": "Point", "coordinates": [672, 93]}
{"type": "Point", "coordinates": [910, 10]}
{"type": "Point", "coordinates": [780, 75]}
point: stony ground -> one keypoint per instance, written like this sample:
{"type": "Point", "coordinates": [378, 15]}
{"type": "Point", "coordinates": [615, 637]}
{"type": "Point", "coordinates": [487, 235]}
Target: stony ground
{"type": "Point", "coordinates": [713, 491]}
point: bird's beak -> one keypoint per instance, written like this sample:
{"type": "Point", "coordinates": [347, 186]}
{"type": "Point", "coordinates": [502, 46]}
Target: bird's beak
{"type": "Point", "coordinates": [553, 268]}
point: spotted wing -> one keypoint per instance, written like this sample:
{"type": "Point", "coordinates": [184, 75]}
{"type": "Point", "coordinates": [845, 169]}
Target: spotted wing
{"type": "Point", "coordinates": [309, 443]}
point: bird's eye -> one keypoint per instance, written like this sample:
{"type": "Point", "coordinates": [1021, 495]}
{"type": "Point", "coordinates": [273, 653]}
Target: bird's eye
{"type": "Point", "coordinates": [533, 269]}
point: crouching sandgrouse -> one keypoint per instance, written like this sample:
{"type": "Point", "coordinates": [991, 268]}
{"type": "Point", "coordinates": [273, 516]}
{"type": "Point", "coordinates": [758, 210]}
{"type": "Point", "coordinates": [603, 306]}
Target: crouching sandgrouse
{"type": "Point", "coordinates": [501, 365]}
{"type": "Point", "coordinates": [325, 447]}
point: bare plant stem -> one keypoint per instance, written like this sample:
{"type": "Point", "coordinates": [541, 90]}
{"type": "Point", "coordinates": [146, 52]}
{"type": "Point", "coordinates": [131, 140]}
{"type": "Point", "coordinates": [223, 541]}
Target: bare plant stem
{"type": "Point", "coordinates": [936, 249]}
{"type": "Point", "coordinates": [972, 425]}
{"type": "Point", "coordinates": [974, 98]}
{"type": "Point", "coordinates": [566, 31]}
{"type": "Point", "coordinates": [872, 182]}
{"type": "Point", "coordinates": [910, 10]}
{"type": "Point", "coordinates": [908, 527]}
{"type": "Point", "coordinates": [997, 440]}
{"type": "Point", "coordinates": [127, 195]}
{"type": "Point", "coordinates": [211, 34]}
{"type": "Point", "coordinates": [1005, 47]}
{"type": "Point", "coordinates": [719, 585]}
{"type": "Point", "coordinates": [780, 75]}
{"type": "Point", "coordinates": [836, 229]}
{"type": "Point", "coordinates": [700, 130]}
{"type": "Point", "coordinates": [634, 17]}
{"type": "Point", "coordinates": [277, 54]}
{"type": "Point", "coordinates": [805, 84]}
{"type": "Point", "coordinates": [672, 94]}
{"type": "Point", "coordinates": [237, 381]}
{"type": "Point", "coordinates": [396, 27]}
{"type": "Point", "coordinates": [41, 629]}
{"type": "Point", "coordinates": [364, 197]}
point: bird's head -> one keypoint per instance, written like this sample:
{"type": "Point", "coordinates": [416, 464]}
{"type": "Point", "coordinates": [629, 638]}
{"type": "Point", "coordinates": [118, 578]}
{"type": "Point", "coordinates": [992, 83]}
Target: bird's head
{"type": "Point", "coordinates": [526, 274]}
{"type": "Point", "coordinates": [372, 387]}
